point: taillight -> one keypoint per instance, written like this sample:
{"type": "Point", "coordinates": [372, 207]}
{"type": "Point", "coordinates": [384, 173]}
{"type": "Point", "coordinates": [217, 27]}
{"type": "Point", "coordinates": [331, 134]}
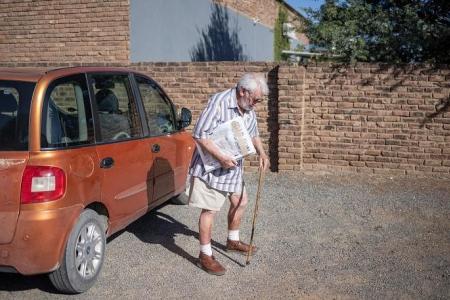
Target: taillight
{"type": "Point", "coordinates": [42, 184]}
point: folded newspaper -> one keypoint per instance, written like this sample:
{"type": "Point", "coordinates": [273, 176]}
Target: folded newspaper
{"type": "Point", "coordinates": [232, 138]}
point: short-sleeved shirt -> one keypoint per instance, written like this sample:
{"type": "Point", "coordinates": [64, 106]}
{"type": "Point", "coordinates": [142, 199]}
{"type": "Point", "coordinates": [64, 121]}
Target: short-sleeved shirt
{"type": "Point", "coordinates": [221, 108]}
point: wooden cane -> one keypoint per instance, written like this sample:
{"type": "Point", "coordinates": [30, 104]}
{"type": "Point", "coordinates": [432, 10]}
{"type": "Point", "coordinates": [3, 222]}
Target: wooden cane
{"type": "Point", "coordinates": [255, 213]}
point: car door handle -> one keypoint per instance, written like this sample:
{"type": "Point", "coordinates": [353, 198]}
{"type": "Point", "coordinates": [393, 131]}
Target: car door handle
{"type": "Point", "coordinates": [107, 163]}
{"type": "Point", "coordinates": [155, 148]}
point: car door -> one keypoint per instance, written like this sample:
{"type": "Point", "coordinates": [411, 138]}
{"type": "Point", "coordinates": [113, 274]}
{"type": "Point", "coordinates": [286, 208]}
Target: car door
{"type": "Point", "coordinates": [124, 156]}
{"type": "Point", "coordinates": [164, 140]}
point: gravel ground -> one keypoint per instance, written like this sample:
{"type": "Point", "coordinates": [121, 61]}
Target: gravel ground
{"type": "Point", "coordinates": [319, 236]}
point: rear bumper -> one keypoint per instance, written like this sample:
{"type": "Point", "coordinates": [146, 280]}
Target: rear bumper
{"type": "Point", "coordinates": [39, 240]}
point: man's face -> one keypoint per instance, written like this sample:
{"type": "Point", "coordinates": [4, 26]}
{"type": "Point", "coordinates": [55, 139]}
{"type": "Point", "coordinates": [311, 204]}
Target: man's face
{"type": "Point", "coordinates": [248, 99]}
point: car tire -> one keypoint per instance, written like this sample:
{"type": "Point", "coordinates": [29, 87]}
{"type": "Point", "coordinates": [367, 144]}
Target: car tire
{"type": "Point", "coordinates": [83, 255]}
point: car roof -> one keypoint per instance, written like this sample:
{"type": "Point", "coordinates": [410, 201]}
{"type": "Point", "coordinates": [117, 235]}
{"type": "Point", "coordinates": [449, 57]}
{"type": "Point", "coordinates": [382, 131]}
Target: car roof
{"type": "Point", "coordinates": [22, 74]}
{"type": "Point", "coordinates": [34, 74]}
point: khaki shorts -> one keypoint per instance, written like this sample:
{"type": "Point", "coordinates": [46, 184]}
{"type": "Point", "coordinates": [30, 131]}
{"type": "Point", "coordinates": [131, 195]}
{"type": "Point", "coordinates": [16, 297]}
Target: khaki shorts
{"type": "Point", "coordinates": [205, 197]}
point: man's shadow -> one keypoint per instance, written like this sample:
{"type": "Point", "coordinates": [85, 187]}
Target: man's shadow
{"type": "Point", "coordinates": [159, 228]}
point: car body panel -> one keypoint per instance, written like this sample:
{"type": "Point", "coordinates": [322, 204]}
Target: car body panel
{"type": "Point", "coordinates": [171, 163]}
{"type": "Point", "coordinates": [12, 165]}
{"type": "Point", "coordinates": [32, 251]}
{"type": "Point", "coordinates": [125, 184]}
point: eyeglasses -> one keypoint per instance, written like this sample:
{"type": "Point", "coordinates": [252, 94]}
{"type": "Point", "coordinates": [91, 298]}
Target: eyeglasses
{"type": "Point", "coordinates": [255, 100]}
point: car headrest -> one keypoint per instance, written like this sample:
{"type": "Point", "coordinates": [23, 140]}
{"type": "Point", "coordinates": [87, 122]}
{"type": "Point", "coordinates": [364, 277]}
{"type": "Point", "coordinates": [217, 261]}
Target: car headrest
{"type": "Point", "coordinates": [107, 101]}
{"type": "Point", "coordinates": [8, 102]}
{"type": "Point", "coordinates": [104, 84]}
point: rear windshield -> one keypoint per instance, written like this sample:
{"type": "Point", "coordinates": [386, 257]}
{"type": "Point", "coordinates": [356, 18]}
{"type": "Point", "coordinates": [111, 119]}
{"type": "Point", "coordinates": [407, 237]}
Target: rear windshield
{"type": "Point", "coordinates": [15, 99]}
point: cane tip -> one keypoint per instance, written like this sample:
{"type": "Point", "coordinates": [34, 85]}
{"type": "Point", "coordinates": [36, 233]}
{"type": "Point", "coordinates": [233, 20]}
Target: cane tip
{"type": "Point", "coordinates": [247, 263]}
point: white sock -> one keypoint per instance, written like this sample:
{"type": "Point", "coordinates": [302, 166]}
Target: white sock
{"type": "Point", "coordinates": [233, 235]}
{"type": "Point", "coordinates": [206, 249]}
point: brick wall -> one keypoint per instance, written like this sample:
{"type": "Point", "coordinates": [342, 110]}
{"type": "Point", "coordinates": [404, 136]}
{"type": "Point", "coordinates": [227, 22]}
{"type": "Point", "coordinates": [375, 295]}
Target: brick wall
{"type": "Point", "coordinates": [291, 111]}
{"type": "Point", "coordinates": [369, 118]}
{"type": "Point", "coordinates": [265, 11]}
{"type": "Point", "coordinates": [70, 31]}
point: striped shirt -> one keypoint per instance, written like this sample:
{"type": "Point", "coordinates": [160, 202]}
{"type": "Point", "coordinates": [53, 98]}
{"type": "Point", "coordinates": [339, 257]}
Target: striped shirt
{"type": "Point", "coordinates": [221, 108]}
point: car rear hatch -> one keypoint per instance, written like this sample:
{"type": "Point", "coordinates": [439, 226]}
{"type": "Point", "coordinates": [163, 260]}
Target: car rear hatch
{"type": "Point", "coordinates": [11, 170]}
{"type": "Point", "coordinates": [15, 99]}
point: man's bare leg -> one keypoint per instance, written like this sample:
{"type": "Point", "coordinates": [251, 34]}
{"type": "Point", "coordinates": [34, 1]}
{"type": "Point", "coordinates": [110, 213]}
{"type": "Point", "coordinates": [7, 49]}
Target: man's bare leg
{"type": "Point", "coordinates": [206, 260]}
{"type": "Point", "coordinates": [205, 224]}
{"type": "Point", "coordinates": [238, 202]}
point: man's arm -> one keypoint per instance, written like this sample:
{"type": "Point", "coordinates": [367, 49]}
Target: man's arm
{"type": "Point", "coordinates": [226, 161]}
{"type": "Point", "coordinates": [264, 162]}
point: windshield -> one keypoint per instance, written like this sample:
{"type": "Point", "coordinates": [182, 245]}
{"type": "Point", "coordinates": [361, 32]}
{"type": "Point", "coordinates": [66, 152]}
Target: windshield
{"type": "Point", "coordinates": [15, 99]}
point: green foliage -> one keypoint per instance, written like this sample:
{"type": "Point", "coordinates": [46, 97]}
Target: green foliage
{"type": "Point", "coordinates": [396, 31]}
{"type": "Point", "coordinates": [280, 42]}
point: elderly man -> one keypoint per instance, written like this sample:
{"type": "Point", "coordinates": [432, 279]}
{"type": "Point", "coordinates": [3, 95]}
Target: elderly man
{"type": "Point", "coordinates": [210, 190]}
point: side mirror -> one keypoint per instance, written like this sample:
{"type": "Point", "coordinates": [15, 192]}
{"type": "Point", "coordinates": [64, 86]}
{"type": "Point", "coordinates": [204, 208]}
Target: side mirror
{"type": "Point", "coordinates": [185, 117]}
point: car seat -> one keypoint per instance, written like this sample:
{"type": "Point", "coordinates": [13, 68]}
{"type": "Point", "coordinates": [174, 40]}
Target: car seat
{"type": "Point", "coordinates": [56, 127]}
{"type": "Point", "coordinates": [107, 101]}
{"type": "Point", "coordinates": [112, 121]}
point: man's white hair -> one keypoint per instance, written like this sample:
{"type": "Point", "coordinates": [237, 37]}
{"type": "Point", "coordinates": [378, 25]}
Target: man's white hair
{"type": "Point", "coordinates": [252, 82]}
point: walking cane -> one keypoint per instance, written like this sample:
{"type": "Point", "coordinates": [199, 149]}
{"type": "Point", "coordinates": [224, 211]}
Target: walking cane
{"type": "Point", "coordinates": [255, 213]}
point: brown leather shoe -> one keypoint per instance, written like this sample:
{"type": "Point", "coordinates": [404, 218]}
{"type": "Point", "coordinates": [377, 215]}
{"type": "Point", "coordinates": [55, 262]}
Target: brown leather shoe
{"type": "Point", "coordinates": [240, 247]}
{"type": "Point", "coordinates": [210, 264]}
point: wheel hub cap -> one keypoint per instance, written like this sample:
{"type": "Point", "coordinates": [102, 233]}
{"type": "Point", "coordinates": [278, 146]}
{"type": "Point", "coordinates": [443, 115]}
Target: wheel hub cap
{"type": "Point", "coordinates": [89, 250]}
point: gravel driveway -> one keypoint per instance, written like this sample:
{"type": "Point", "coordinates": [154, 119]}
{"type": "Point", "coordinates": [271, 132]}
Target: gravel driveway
{"type": "Point", "coordinates": [320, 236]}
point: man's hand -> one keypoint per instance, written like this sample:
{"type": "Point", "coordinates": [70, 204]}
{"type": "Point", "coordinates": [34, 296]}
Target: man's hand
{"type": "Point", "coordinates": [227, 162]}
{"type": "Point", "coordinates": [264, 162]}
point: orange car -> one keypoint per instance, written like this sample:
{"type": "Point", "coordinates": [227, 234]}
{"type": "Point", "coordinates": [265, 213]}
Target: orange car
{"type": "Point", "coordinates": [84, 152]}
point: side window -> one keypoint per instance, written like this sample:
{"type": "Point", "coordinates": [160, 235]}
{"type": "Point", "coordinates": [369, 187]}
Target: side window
{"type": "Point", "coordinates": [116, 108]}
{"type": "Point", "coordinates": [158, 109]}
{"type": "Point", "coordinates": [15, 99]}
{"type": "Point", "coordinates": [67, 114]}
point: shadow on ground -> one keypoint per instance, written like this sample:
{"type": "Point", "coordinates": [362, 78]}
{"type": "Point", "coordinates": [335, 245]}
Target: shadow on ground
{"type": "Point", "coordinates": [16, 282]}
{"type": "Point", "coordinates": [164, 230]}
